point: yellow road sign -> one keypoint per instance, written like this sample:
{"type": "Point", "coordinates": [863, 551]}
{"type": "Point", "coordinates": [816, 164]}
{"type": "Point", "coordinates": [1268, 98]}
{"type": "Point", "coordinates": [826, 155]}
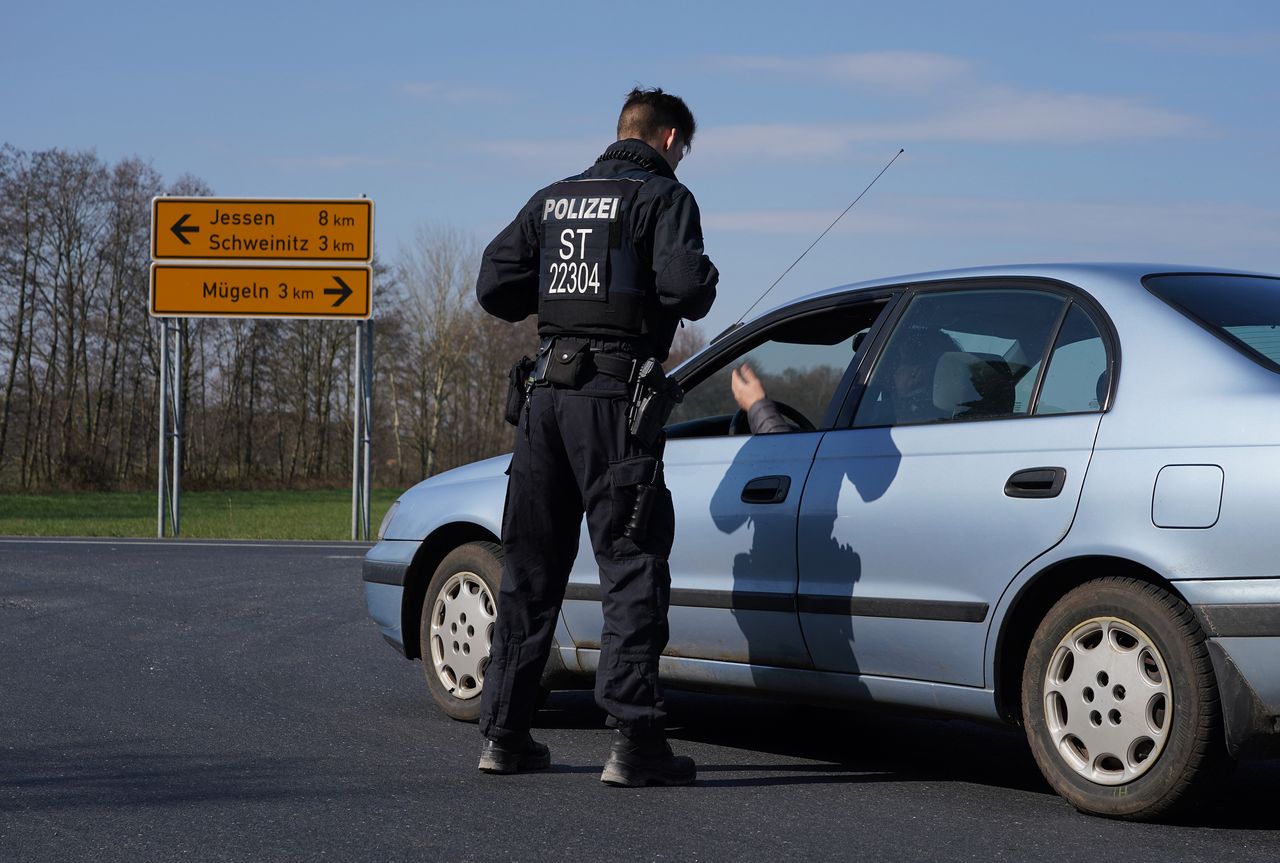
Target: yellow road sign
{"type": "Point", "coordinates": [249, 291]}
{"type": "Point", "coordinates": [261, 229]}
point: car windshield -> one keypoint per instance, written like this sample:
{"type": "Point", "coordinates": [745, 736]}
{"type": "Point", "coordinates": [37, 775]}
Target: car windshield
{"type": "Point", "coordinates": [1245, 310]}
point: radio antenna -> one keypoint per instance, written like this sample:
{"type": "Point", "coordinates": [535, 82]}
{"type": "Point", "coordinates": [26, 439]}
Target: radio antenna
{"type": "Point", "coordinates": [820, 236]}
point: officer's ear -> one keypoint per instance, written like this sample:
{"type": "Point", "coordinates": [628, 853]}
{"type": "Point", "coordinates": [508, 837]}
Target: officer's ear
{"type": "Point", "coordinates": [672, 147]}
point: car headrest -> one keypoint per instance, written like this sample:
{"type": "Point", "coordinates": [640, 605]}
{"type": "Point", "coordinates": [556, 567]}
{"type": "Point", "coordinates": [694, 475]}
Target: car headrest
{"type": "Point", "coordinates": [973, 385]}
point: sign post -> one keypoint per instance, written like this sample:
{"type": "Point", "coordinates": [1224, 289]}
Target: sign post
{"type": "Point", "coordinates": [260, 258]}
{"type": "Point", "coordinates": [361, 422]}
{"type": "Point", "coordinates": [170, 471]}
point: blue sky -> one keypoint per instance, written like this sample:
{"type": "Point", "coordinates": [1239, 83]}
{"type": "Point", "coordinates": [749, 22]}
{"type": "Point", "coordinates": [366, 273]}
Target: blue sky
{"type": "Point", "coordinates": [1033, 130]}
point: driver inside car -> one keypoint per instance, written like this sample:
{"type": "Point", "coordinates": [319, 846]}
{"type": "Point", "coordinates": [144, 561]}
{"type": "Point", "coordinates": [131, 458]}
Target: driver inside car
{"type": "Point", "coordinates": [762, 413]}
{"type": "Point", "coordinates": [908, 400]}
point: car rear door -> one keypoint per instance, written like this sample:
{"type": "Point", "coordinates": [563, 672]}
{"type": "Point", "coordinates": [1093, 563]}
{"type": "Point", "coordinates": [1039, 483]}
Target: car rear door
{"type": "Point", "coordinates": [965, 459]}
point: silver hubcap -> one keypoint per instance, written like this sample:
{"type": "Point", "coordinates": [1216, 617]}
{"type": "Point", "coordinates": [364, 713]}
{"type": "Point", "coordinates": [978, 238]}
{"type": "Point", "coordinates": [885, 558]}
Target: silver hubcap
{"type": "Point", "coordinates": [461, 633]}
{"type": "Point", "coordinates": [1107, 701]}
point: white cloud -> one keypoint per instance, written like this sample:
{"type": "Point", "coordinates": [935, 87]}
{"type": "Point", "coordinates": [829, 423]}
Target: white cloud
{"type": "Point", "coordinates": [944, 100]}
{"type": "Point", "coordinates": [1016, 116]}
{"type": "Point", "coordinates": [766, 222]}
{"type": "Point", "coordinates": [941, 100]}
{"type": "Point", "coordinates": [996, 115]}
{"type": "Point", "coordinates": [447, 91]}
{"type": "Point", "coordinates": [777, 139]}
{"type": "Point", "coordinates": [1196, 42]}
{"type": "Point", "coordinates": [557, 152]}
{"type": "Point", "coordinates": [1076, 230]}
{"type": "Point", "coordinates": [894, 70]}
{"type": "Point", "coordinates": [340, 162]}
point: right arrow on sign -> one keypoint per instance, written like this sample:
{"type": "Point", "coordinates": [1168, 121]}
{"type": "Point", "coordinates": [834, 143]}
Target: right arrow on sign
{"type": "Point", "coordinates": [341, 289]}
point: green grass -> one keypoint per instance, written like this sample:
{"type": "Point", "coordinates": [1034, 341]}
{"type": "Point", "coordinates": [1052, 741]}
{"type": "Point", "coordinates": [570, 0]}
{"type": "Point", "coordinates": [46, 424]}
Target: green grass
{"type": "Point", "coordinates": [315, 514]}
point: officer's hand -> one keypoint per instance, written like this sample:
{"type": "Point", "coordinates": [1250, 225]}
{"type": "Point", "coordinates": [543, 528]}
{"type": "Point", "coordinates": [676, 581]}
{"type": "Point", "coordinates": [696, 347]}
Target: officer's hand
{"type": "Point", "coordinates": [747, 389]}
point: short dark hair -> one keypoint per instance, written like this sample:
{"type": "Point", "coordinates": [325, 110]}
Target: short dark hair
{"type": "Point", "coordinates": [646, 112]}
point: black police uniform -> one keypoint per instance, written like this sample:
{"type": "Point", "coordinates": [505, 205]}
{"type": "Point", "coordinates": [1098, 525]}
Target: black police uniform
{"type": "Point", "coordinates": [610, 260]}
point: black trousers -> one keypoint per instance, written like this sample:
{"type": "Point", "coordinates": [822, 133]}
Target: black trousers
{"type": "Point", "coordinates": [573, 454]}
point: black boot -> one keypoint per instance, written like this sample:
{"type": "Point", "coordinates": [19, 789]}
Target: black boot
{"type": "Point", "coordinates": [637, 762]}
{"type": "Point", "coordinates": [499, 757]}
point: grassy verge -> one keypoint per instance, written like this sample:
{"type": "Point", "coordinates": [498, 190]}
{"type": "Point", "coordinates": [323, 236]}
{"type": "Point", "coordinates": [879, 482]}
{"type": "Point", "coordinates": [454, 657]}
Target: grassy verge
{"type": "Point", "coordinates": [315, 514]}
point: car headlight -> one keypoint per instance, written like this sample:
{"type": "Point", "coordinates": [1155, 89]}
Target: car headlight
{"type": "Point", "coordinates": [386, 519]}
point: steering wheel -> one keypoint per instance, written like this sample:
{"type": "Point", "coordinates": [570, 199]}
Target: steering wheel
{"type": "Point", "coordinates": [738, 423]}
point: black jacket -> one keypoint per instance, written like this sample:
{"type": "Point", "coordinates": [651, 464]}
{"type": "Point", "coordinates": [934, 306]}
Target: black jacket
{"type": "Point", "coordinates": [666, 234]}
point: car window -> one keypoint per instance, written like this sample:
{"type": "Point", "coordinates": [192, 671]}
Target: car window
{"type": "Point", "coordinates": [1076, 381]}
{"type": "Point", "coordinates": [1243, 310]}
{"type": "Point", "coordinates": [961, 355]}
{"type": "Point", "coordinates": [800, 362]}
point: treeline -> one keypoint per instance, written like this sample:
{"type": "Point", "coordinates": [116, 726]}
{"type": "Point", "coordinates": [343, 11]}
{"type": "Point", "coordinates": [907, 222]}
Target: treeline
{"type": "Point", "coordinates": [267, 403]}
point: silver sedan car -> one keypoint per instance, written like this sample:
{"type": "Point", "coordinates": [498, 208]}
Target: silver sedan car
{"type": "Point", "coordinates": [1040, 495]}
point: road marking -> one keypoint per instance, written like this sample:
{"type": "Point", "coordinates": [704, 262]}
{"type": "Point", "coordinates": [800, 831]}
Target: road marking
{"type": "Point", "coordinates": [149, 543]}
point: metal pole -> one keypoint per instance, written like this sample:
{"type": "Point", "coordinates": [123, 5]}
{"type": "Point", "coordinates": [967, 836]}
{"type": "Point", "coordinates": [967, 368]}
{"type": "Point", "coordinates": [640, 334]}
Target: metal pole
{"type": "Point", "coordinates": [176, 389]}
{"type": "Point", "coordinates": [368, 424]}
{"type": "Point", "coordinates": [357, 401]}
{"type": "Point", "coordinates": [162, 466]}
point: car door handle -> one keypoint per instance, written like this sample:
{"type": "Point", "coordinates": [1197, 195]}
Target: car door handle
{"type": "Point", "coordinates": [1036, 482]}
{"type": "Point", "coordinates": [766, 489]}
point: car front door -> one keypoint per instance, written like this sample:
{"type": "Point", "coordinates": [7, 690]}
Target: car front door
{"type": "Point", "coordinates": [737, 495]}
{"type": "Point", "coordinates": [964, 461]}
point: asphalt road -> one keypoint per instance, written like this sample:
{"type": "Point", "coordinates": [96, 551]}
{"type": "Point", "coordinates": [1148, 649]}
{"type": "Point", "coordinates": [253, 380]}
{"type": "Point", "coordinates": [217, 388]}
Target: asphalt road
{"type": "Point", "coordinates": [217, 701]}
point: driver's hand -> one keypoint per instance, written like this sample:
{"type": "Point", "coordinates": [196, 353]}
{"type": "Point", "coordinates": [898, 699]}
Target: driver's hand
{"type": "Point", "coordinates": [747, 389]}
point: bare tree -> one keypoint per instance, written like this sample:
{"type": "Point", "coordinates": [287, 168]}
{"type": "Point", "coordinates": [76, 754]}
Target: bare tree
{"type": "Point", "coordinates": [688, 341]}
{"type": "Point", "coordinates": [436, 272]}
{"type": "Point", "coordinates": [266, 402]}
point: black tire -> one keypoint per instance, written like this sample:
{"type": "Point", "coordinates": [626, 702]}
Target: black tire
{"type": "Point", "coordinates": [1170, 711]}
{"type": "Point", "coordinates": [454, 678]}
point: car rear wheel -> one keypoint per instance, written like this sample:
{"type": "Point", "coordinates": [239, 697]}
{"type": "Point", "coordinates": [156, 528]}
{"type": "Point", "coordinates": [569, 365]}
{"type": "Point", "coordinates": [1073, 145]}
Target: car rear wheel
{"type": "Point", "coordinates": [458, 617]}
{"type": "Point", "coordinates": [1119, 700]}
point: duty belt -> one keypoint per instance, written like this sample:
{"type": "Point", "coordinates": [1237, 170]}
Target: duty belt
{"type": "Point", "coordinates": [615, 364]}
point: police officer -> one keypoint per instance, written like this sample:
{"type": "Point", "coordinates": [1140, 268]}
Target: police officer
{"type": "Point", "coordinates": [610, 260]}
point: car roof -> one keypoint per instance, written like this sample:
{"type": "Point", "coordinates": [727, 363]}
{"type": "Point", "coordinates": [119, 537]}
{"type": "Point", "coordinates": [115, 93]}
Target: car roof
{"type": "Point", "coordinates": [1095, 277]}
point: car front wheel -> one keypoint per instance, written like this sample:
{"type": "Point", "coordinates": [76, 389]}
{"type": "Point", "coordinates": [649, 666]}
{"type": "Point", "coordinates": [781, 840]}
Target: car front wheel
{"type": "Point", "coordinates": [1119, 700]}
{"type": "Point", "coordinates": [458, 616]}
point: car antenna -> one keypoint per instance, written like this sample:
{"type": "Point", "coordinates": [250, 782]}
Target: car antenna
{"type": "Point", "coordinates": [738, 322]}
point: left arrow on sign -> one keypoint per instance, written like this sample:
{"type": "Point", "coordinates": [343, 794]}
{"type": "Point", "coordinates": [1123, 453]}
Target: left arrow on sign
{"type": "Point", "coordinates": [181, 229]}
{"type": "Point", "coordinates": [342, 289]}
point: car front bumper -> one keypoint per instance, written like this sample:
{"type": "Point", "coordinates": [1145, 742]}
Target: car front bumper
{"type": "Point", "coordinates": [384, 570]}
{"type": "Point", "coordinates": [1242, 619]}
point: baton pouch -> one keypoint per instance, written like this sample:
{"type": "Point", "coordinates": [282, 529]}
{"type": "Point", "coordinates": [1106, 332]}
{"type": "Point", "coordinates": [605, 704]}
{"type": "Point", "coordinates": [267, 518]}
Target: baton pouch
{"type": "Point", "coordinates": [516, 390]}
{"type": "Point", "coordinates": [567, 362]}
{"type": "Point", "coordinates": [637, 526]}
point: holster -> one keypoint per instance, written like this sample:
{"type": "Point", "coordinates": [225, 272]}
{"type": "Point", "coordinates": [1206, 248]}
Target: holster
{"type": "Point", "coordinates": [654, 398]}
{"type": "Point", "coordinates": [517, 390]}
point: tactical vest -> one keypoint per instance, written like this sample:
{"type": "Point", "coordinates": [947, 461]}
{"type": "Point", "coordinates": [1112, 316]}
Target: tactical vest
{"type": "Point", "coordinates": [591, 280]}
